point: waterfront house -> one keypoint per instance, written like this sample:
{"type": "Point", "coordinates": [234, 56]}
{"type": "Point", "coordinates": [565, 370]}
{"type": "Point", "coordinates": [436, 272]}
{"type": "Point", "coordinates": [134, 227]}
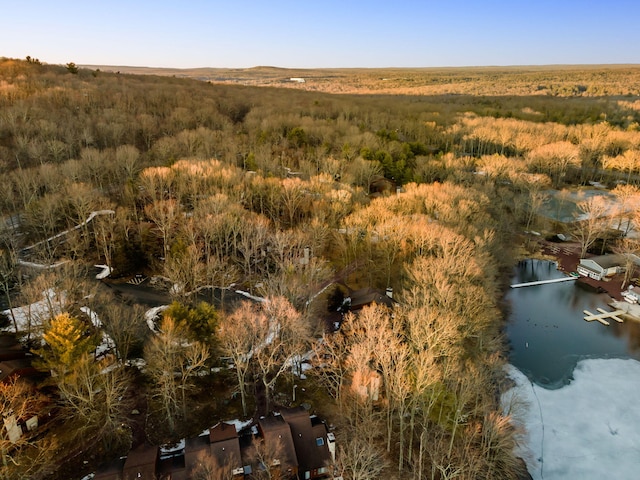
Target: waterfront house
{"type": "Point", "coordinates": [602, 266]}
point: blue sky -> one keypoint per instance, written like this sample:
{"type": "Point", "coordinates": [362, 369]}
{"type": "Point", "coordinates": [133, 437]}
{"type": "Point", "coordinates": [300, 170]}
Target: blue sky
{"type": "Point", "coordinates": [324, 33]}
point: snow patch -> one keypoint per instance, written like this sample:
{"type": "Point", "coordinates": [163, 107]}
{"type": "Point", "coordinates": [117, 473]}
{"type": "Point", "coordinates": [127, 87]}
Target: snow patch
{"type": "Point", "coordinates": [139, 363]}
{"type": "Point", "coordinates": [238, 423]}
{"type": "Point", "coordinates": [41, 266]}
{"type": "Point", "coordinates": [107, 344]}
{"type": "Point", "coordinates": [106, 271]}
{"type": "Point", "coordinates": [252, 297]}
{"type": "Point", "coordinates": [152, 314]}
{"type": "Point", "coordinates": [91, 216]}
{"type": "Point", "coordinates": [171, 450]}
{"type": "Point", "coordinates": [587, 429]}
{"type": "Point", "coordinates": [32, 317]}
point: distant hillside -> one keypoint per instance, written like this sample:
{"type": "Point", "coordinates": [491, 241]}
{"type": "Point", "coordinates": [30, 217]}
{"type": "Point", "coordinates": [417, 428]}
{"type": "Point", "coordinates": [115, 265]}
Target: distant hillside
{"type": "Point", "coordinates": [555, 80]}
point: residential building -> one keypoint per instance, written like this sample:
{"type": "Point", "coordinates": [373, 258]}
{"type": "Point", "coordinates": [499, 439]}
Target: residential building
{"type": "Point", "coordinates": [602, 266]}
{"type": "Point", "coordinates": [314, 450]}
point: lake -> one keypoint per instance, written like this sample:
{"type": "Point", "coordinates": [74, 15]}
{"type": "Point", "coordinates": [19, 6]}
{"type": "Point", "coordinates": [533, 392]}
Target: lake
{"type": "Point", "coordinates": [546, 328]}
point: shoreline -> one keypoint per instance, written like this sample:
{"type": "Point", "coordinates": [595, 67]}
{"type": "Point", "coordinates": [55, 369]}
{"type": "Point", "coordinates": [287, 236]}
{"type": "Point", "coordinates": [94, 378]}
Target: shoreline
{"type": "Point", "coordinates": [567, 258]}
{"type": "Point", "coordinates": [632, 311]}
{"type": "Point", "coordinates": [567, 255]}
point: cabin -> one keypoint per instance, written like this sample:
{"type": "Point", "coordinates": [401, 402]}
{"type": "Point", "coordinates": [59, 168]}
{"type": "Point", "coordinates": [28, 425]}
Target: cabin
{"type": "Point", "coordinates": [20, 367]}
{"type": "Point", "coordinates": [10, 348]}
{"type": "Point", "coordinates": [381, 186]}
{"type": "Point", "coordinates": [366, 384]}
{"type": "Point", "coordinates": [358, 299]}
{"type": "Point", "coordinates": [602, 266]}
{"type": "Point", "coordinates": [111, 471]}
{"type": "Point", "coordinates": [225, 448]}
{"type": "Point", "coordinates": [142, 463]}
{"type": "Point", "coordinates": [292, 444]}
{"type": "Point", "coordinates": [314, 445]}
{"type": "Point", "coordinates": [171, 465]}
{"type": "Point", "coordinates": [15, 361]}
{"type": "Point", "coordinates": [278, 447]}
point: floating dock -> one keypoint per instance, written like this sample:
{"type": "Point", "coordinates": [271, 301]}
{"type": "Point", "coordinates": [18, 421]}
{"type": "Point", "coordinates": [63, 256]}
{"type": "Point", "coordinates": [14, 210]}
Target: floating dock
{"type": "Point", "coordinates": [543, 282]}
{"type": "Point", "coordinates": [603, 315]}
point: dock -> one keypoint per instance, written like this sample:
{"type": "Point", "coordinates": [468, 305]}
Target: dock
{"type": "Point", "coordinates": [544, 282]}
{"type": "Point", "coordinates": [603, 315]}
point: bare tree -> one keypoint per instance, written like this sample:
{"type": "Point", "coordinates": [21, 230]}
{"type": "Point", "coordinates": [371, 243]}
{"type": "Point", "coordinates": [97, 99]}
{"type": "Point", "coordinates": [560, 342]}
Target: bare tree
{"type": "Point", "coordinates": [251, 244]}
{"type": "Point", "coordinates": [104, 231]}
{"type": "Point", "coordinates": [184, 268]}
{"type": "Point", "coordinates": [127, 158]}
{"type": "Point", "coordinates": [23, 454]}
{"type": "Point", "coordinates": [499, 437]}
{"type": "Point", "coordinates": [294, 199]}
{"type": "Point", "coordinates": [165, 214]}
{"type": "Point", "coordinates": [329, 363]}
{"type": "Point", "coordinates": [629, 248]}
{"type": "Point", "coordinates": [591, 222]}
{"type": "Point", "coordinates": [268, 455]}
{"type": "Point", "coordinates": [9, 272]}
{"type": "Point", "coordinates": [156, 183]}
{"type": "Point", "coordinates": [283, 335]}
{"type": "Point", "coordinates": [124, 324]}
{"type": "Point", "coordinates": [96, 395]}
{"type": "Point", "coordinates": [171, 364]}
{"type": "Point", "coordinates": [360, 459]}
{"type": "Point", "coordinates": [237, 341]}
{"type": "Point", "coordinates": [391, 243]}
{"type": "Point", "coordinates": [555, 159]}
{"type": "Point", "coordinates": [536, 199]}
{"type": "Point", "coordinates": [364, 171]}
{"type": "Point", "coordinates": [208, 468]}
{"type": "Point", "coordinates": [268, 337]}
{"type": "Point", "coordinates": [628, 197]}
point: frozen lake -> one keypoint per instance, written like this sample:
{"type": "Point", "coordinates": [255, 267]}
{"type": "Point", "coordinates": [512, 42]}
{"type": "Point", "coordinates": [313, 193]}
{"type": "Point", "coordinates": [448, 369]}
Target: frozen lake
{"type": "Point", "coordinates": [547, 332]}
{"type": "Point", "coordinates": [576, 383]}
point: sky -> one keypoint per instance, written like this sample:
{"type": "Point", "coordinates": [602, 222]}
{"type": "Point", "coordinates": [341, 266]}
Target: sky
{"type": "Point", "coordinates": [321, 33]}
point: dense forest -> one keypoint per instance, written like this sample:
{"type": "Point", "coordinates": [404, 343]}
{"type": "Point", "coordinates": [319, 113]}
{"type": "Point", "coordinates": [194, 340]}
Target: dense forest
{"type": "Point", "coordinates": [295, 196]}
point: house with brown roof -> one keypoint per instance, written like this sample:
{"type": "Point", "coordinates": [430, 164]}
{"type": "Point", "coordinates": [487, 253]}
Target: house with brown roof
{"type": "Point", "coordinates": [196, 452]}
{"type": "Point", "coordinates": [221, 446]}
{"type": "Point", "coordinates": [358, 299]}
{"type": "Point", "coordinates": [14, 360]}
{"type": "Point", "coordinates": [314, 449]}
{"type": "Point", "coordinates": [142, 463]}
{"type": "Point", "coordinates": [291, 444]}
{"type": "Point", "coordinates": [274, 448]}
{"type": "Point", "coordinates": [225, 447]}
{"type": "Point", "coordinates": [111, 471]}
{"type": "Point", "coordinates": [20, 367]}
{"type": "Point", "coordinates": [10, 348]}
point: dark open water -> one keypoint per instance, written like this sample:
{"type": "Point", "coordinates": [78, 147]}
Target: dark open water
{"type": "Point", "coordinates": [547, 332]}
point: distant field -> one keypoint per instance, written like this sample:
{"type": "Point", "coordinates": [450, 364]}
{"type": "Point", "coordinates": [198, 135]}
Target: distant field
{"type": "Point", "coordinates": [555, 80]}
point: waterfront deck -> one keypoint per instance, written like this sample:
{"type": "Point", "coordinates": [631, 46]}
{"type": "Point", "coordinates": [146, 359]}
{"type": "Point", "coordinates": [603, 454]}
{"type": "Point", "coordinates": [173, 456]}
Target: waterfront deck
{"type": "Point", "coordinates": [603, 315]}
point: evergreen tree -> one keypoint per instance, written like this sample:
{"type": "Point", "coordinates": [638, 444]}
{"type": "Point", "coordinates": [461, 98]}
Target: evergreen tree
{"type": "Point", "coordinates": [66, 340]}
